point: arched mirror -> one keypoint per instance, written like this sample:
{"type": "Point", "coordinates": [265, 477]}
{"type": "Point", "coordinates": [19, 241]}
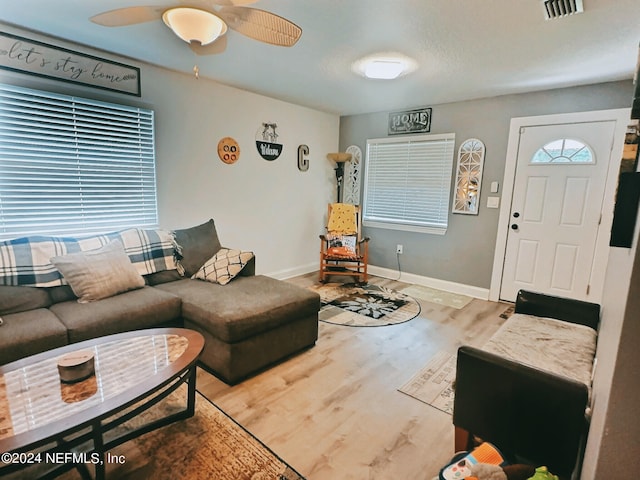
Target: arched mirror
{"type": "Point", "coordinates": [468, 177]}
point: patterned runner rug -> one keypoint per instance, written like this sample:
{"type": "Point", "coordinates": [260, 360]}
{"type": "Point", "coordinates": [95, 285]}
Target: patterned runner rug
{"type": "Point", "coordinates": [364, 306]}
{"type": "Point", "coordinates": [440, 297]}
{"type": "Point", "coordinates": [433, 384]}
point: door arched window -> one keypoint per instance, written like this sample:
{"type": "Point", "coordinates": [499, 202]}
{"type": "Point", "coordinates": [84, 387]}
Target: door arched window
{"type": "Point", "coordinates": [564, 150]}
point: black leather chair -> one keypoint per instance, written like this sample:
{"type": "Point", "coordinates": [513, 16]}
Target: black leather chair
{"type": "Point", "coordinates": [533, 416]}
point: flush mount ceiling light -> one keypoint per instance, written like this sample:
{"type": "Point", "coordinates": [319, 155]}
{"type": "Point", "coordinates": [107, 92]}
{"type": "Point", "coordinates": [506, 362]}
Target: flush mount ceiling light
{"type": "Point", "coordinates": [384, 66]}
{"type": "Point", "coordinates": [194, 25]}
{"type": "Point", "coordinates": [383, 69]}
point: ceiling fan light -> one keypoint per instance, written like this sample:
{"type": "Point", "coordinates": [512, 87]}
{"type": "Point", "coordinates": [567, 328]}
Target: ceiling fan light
{"type": "Point", "coordinates": [194, 25]}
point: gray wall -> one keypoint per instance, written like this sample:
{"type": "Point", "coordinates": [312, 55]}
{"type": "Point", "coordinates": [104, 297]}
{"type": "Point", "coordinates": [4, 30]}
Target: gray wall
{"type": "Point", "coordinates": [450, 257]}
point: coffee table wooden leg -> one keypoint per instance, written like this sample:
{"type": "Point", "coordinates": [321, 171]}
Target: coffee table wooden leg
{"type": "Point", "coordinates": [98, 445]}
{"type": "Point", "coordinates": [83, 471]}
{"type": "Point", "coordinates": [191, 392]}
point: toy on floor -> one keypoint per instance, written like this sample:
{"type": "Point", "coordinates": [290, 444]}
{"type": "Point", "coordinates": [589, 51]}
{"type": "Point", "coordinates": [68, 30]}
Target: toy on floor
{"type": "Point", "coordinates": [484, 471]}
{"type": "Point", "coordinates": [542, 473]}
{"type": "Point", "coordinates": [461, 465]}
{"type": "Point", "coordinates": [485, 462]}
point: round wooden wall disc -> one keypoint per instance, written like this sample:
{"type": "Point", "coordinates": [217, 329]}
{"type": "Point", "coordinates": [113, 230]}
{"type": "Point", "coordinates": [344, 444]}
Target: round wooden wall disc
{"type": "Point", "coordinates": [228, 150]}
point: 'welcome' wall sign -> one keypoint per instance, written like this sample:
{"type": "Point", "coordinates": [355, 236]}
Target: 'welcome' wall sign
{"type": "Point", "coordinates": [35, 58]}
{"type": "Point", "coordinates": [267, 141]}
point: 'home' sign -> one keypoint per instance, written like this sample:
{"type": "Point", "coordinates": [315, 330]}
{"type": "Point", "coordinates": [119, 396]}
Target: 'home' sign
{"type": "Point", "coordinates": [411, 121]}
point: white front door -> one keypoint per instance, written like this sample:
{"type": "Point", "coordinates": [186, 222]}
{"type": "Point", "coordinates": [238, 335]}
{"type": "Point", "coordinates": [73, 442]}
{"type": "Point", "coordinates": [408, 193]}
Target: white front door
{"type": "Point", "coordinates": [558, 191]}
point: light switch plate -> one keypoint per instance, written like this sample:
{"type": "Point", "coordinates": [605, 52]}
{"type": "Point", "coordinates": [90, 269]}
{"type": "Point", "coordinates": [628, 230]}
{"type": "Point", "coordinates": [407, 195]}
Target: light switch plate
{"type": "Point", "coordinates": [494, 187]}
{"type": "Point", "coordinates": [493, 202]}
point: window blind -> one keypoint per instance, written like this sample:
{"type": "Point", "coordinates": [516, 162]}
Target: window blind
{"type": "Point", "coordinates": [407, 182]}
{"type": "Point", "coordinates": [71, 165]}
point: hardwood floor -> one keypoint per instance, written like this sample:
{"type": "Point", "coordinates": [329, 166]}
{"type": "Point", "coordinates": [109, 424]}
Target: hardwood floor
{"type": "Point", "coordinates": [333, 412]}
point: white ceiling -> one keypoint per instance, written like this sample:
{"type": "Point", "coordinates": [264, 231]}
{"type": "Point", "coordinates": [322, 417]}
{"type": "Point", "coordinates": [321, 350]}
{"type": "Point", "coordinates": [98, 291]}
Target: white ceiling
{"type": "Point", "coordinates": [465, 49]}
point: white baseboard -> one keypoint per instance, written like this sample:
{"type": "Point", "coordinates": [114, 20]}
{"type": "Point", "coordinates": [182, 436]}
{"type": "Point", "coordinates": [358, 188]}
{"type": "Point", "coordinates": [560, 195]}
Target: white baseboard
{"type": "Point", "coordinates": [462, 289]}
{"type": "Point", "coordinates": [293, 272]}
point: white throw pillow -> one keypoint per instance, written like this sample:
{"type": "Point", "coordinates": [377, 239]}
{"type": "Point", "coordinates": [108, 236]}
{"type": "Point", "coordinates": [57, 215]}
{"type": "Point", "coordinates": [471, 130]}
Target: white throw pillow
{"type": "Point", "coordinates": [100, 273]}
{"type": "Point", "coordinates": [223, 266]}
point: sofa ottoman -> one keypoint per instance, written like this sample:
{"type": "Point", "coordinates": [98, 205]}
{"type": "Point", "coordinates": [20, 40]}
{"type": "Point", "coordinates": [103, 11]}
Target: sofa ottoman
{"type": "Point", "coordinates": [248, 324]}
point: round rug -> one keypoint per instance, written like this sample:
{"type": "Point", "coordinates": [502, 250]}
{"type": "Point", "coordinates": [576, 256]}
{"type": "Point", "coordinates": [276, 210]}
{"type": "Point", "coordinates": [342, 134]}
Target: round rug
{"type": "Point", "coordinates": [364, 305]}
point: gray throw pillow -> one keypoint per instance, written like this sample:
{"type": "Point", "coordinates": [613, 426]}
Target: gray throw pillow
{"type": "Point", "coordinates": [197, 245]}
{"type": "Point", "coordinates": [100, 273]}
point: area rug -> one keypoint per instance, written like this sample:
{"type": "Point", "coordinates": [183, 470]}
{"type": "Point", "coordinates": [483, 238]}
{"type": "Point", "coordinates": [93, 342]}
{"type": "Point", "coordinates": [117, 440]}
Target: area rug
{"type": "Point", "coordinates": [433, 384]}
{"type": "Point", "coordinates": [440, 297]}
{"type": "Point", "coordinates": [209, 445]}
{"type": "Point", "coordinates": [364, 305]}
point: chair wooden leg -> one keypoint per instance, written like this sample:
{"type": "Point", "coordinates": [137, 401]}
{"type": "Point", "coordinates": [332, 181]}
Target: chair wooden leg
{"type": "Point", "coordinates": [462, 439]}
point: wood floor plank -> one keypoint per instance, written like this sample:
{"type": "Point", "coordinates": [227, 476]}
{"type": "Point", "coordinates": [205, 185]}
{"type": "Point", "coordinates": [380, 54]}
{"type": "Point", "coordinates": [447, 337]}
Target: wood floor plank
{"type": "Point", "coordinates": [334, 411]}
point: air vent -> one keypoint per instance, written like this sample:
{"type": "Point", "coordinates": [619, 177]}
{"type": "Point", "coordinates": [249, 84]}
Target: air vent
{"type": "Point", "coordinates": [561, 8]}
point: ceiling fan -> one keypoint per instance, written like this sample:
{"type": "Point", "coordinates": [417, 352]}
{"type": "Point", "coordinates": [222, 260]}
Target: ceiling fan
{"type": "Point", "coordinates": [203, 23]}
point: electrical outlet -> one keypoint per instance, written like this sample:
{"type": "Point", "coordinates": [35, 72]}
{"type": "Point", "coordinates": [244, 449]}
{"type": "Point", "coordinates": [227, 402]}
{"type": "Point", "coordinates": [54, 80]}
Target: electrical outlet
{"type": "Point", "coordinates": [398, 249]}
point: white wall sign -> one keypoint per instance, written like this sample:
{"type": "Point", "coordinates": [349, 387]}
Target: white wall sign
{"type": "Point", "coordinates": [22, 55]}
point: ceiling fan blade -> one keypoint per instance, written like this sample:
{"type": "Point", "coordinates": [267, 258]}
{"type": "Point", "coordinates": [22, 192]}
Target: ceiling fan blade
{"type": "Point", "coordinates": [219, 46]}
{"type": "Point", "coordinates": [260, 25]}
{"type": "Point", "coordinates": [128, 16]}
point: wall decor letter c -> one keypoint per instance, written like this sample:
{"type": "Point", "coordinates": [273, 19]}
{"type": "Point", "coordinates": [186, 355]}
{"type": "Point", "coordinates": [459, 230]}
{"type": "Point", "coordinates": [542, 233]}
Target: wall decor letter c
{"type": "Point", "coordinates": [303, 162]}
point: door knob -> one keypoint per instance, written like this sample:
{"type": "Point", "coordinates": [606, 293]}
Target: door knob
{"type": "Point", "coordinates": [514, 226]}
{"type": "Point", "coordinates": [516, 214]}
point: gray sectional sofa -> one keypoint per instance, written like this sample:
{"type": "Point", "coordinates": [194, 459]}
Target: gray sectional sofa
{"type": "Point", "coordinates": [248, 324]}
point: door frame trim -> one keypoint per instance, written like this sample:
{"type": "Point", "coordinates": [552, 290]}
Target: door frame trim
{"type": "Point", "coordinates": [622, 117]}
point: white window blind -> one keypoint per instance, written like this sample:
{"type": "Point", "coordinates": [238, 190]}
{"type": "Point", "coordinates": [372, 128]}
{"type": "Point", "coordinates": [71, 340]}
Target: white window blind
{"type": "Point", "coordinates": [70, 165]}
{"type": "Point", "coordinates": [407, 182]}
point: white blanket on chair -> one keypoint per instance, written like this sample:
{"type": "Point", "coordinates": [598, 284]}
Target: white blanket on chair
{"type": "Point", "coordinates": [563, 348]}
